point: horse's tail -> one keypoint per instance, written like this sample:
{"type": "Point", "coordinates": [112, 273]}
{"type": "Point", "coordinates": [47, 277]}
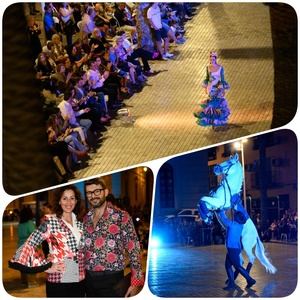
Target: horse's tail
{"type": "Point", "coordinates": [262, 257]}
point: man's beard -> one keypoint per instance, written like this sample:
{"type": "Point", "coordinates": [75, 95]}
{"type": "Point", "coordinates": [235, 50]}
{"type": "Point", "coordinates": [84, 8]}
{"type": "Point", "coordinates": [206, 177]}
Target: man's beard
{"type": "Point", "coordinates": [99, 203]}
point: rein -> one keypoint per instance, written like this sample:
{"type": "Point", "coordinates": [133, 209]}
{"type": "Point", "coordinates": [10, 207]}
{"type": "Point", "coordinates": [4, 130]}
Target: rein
{"type": "Point", "coordinates": [226, 181]}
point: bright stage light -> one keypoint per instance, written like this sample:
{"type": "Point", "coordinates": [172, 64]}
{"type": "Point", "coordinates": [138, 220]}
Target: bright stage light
{"type": "Point", "coordinates": [155, 242]}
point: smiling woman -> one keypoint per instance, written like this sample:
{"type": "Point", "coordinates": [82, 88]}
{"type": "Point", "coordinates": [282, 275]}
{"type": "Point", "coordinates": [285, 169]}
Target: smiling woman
{"type": "Point", "coordinates": [62, 231]}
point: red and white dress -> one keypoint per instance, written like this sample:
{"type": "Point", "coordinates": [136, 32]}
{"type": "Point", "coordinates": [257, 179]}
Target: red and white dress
{"type": "Point", "coordinates": [63, 240]}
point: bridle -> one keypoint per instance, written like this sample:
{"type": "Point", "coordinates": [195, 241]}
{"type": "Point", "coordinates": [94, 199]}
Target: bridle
{"type": "Point", "coordinates": [226, 182]}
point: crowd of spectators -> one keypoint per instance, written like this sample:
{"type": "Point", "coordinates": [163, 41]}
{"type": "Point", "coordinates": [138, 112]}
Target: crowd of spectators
{"type": "Point", "coordinates": [285, 228]}
{"type": "Point", "coordinates": [192, 232]}
{"type": "Point", "coordinates": [92, 62]}
{"type": "Point", "coordinates": [186, 232]}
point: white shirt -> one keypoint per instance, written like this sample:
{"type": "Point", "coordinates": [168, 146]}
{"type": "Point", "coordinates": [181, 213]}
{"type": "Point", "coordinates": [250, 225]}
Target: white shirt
{"type": "Point", "coordinates": [127, 45]}
{"type": "Point", "coordinates": [87, 25]}
{"type": "Point", "coordinates": [74, 228]}
{"type": "Point", "coordinates": [67, 112]}
{"type": "Point", "coordinates": [95, 79]}
{"type": "Point", "coordinates": [154, 15]}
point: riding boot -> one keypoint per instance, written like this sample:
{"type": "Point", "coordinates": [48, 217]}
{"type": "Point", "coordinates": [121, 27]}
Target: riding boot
{"type": "Point", "coordinates": [245, 274]}
{"type": "Point", "coordinates": [249, 266]}
{"type": "Point", "coordinates": [236, 274]}
{"type": "Point", "coordinates": [230, 281]}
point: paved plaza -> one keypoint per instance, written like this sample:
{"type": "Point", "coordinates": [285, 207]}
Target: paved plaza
{"type": "Point", "coordinates": [200, 272]}
{"type": "Point", "coordinates": [165, 125]}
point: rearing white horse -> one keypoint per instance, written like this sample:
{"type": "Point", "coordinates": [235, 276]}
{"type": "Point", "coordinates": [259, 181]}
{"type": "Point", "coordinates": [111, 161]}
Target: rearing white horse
{"type": "Point", "coordinates": [227, 196]}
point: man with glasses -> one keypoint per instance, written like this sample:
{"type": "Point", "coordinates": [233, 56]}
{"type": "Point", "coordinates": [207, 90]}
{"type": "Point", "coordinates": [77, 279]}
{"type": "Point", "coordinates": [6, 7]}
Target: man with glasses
{"type": "Point", "coordinates": [108, 234]}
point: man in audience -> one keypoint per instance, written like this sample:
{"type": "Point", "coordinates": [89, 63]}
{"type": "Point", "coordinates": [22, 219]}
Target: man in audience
{"type": "Point", "coordinates": [72, 117]}
{"type": "Point", "coordinates": [154, 17]}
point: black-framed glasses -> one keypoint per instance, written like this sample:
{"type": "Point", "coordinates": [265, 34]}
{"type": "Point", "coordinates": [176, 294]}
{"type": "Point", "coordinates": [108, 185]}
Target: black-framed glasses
{"type": "Point", "coordinates": [96, 192]}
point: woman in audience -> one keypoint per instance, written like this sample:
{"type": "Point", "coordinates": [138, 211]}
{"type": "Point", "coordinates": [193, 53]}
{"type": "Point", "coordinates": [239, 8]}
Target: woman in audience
{"type": "Point", "coordinates": [58, 51]}
{"type": "Point", "coordinates": [67, 134]}
{"type": "Point", "coordinates": [45, 66]}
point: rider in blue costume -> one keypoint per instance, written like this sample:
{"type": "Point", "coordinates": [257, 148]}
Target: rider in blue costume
{"type": "Point", "coordinates": [233, 244]}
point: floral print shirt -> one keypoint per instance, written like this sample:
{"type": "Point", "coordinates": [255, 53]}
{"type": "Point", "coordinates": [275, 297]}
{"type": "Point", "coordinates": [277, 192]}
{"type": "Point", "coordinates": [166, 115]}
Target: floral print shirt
{"type": "Point", "coordinates": [105, 245]}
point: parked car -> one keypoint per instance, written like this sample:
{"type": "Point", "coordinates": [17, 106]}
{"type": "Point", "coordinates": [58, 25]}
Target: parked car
{"type": "Point", "coordinates": [188, 214]}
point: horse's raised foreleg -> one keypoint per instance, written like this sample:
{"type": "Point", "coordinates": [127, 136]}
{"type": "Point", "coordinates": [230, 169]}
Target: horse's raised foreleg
{"type": "Point", "coordinates": [204, 209]}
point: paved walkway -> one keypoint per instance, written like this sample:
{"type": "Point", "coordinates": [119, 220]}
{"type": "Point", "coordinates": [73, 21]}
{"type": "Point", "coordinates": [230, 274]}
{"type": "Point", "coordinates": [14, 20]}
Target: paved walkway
{"type": "Point", "coordinates": [202, 272]}
{"type": "Point", "coordinates": [165, 125]}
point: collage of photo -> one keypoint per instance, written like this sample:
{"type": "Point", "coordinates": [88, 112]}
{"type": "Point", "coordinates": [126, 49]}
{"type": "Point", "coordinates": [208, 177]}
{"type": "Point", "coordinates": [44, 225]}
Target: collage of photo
{"type": "Point", "coordinates": [149, 149]}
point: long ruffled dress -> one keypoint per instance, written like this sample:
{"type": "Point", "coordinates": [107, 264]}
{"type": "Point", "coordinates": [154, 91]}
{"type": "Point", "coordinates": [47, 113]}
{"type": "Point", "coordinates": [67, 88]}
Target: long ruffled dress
{"type": "Point", "coordinates": [214, 110]}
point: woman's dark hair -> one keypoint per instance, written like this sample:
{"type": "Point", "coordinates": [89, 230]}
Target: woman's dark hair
{"type": "Point", "coordinates": [26, 214]}
{"type": "Point", "coordinates": [58, 194]}
{"type": "Point", "coordinates": [46, 58]}
{"type": "Point", "coordinates": [48, 205]}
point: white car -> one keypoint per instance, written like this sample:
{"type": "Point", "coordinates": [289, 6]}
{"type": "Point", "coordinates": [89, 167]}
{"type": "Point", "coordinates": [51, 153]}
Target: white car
{"type": "Point", "coordinates": [189, 214]}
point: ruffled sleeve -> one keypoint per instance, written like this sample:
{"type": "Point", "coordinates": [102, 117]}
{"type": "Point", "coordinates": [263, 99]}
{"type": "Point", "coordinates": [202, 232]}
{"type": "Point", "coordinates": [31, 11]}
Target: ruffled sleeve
{"type": "Point", "coordinates": [226, 86]}
{"type": "Point", "coordinates": [30, 258]}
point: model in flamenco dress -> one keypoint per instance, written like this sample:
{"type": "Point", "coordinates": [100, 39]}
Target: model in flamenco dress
{"type": "Point", "coordinates": [214, 111]}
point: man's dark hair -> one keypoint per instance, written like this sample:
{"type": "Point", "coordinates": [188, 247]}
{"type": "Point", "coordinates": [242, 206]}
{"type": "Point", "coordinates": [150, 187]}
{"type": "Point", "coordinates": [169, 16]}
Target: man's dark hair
{"type": "Point", "coordinates": [68, 92]}
{"type": "Point", "coordinates": [95, 181]}
{"type": "Point", "coordinates": [26, 214]}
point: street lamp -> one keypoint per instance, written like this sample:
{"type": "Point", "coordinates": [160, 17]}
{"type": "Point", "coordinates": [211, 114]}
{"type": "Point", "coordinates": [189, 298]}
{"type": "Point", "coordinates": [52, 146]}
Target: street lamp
{"type": "Point", "coordinates": [239, 146]}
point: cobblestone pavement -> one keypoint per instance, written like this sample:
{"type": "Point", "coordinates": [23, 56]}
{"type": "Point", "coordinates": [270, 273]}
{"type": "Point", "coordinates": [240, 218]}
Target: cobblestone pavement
{"type": "Point", "coordinates": [200, 272]}
{"type": "Point", "coordinates": [165, 125]}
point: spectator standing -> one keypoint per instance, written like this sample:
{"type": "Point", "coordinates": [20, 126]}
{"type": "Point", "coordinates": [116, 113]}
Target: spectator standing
{"type": "Point", "coordinates": [68, 23]}
{"type": "Point", "coordinates": [154, 17]}
{"type": "Point", "coordinates": [49, 24]}
{"type": "Point", "coordinates": [34, 31]}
